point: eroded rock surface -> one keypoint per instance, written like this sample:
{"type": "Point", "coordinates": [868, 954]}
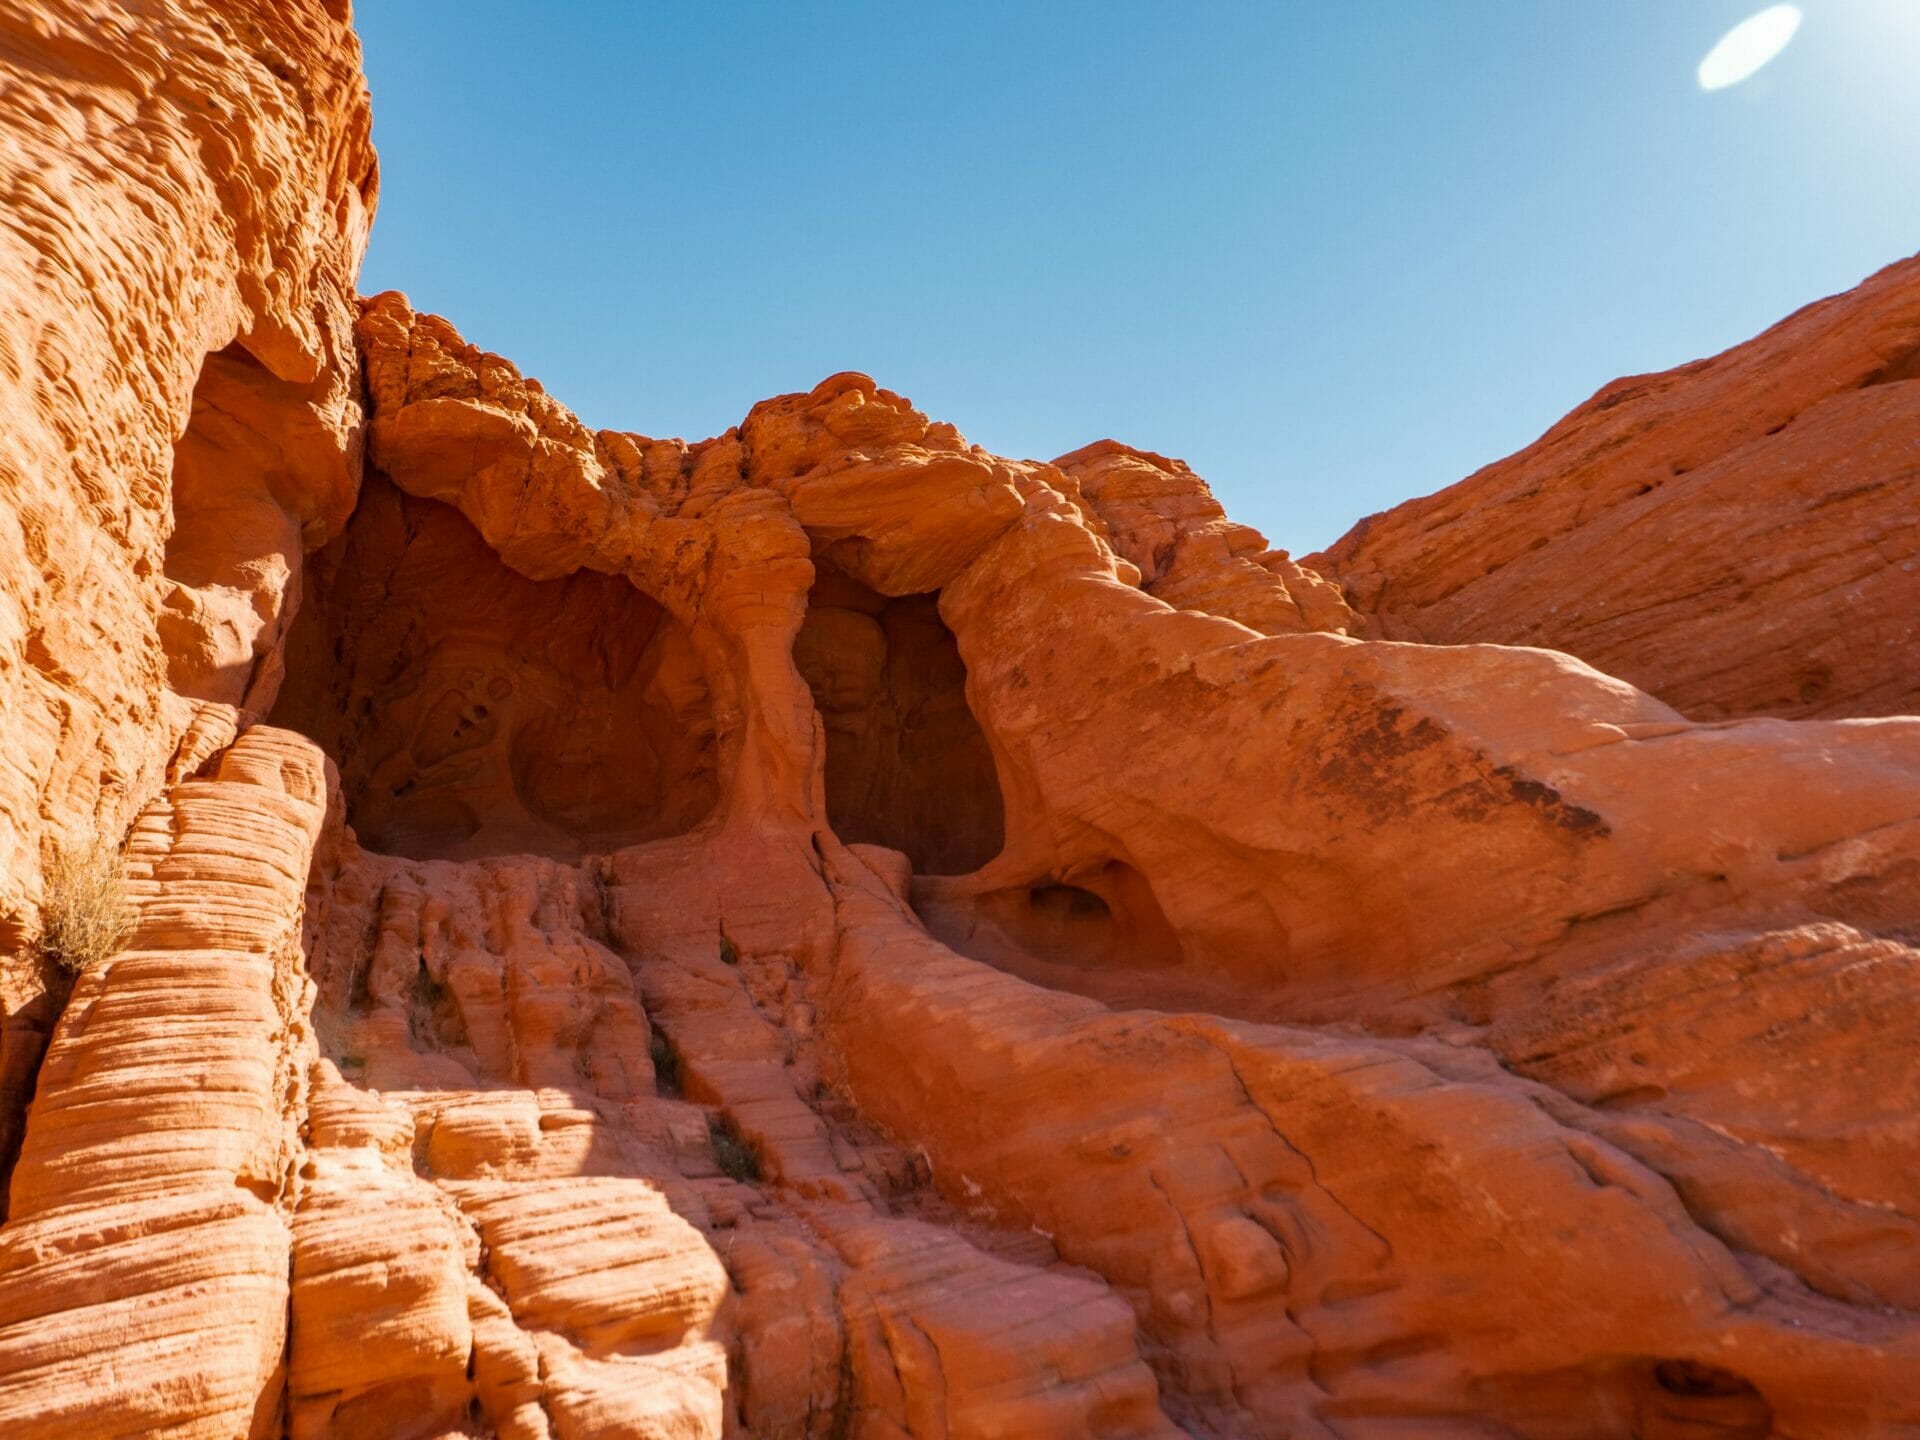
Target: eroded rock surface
{"type": "Point", "coordinates": [143, 1266]}
{"type": "Point", "coordinates": [187, 192]}
{"type": "Point", "coordinates": [827, 931]}
{"type": "Point", "coordinates": [485, 713]}
{"type": "Point", "coordinates": [1738, 536]}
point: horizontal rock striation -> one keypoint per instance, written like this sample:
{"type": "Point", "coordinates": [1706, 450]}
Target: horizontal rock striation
{"type": "Point", "coordinates": [188, 190]}
{"type": "Point", "coordinates": [143, 1266]}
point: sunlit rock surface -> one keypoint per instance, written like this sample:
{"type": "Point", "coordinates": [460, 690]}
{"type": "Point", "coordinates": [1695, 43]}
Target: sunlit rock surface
{"type": "Point", "coordinates": [826, 931]}
{"type": "Point", "coordinates": [1740, 536]}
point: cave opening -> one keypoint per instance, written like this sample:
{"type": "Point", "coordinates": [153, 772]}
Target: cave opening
{"type": "Point", "coordinates": [907, 764]}
{"type": "Point", "coordinates": [475, 712]}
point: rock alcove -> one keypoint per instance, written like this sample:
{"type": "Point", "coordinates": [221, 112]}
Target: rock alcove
{"type": "Point", "coordinates": [907, 765]}
{"type": "Point", "coordinates": [473, 711]}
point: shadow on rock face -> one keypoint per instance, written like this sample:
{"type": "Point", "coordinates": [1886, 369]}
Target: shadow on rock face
{"type": "Point", "coordinates": [473, 711]}
{"type": "Point", "coordinates": [907, 764]}
{"type": "Point", "coordinates": [254, 479]}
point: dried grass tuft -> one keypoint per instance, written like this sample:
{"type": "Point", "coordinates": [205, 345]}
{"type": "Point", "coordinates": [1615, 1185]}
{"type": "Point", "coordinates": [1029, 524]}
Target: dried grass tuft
{"type": "Point", "coordinates": [86, 916]}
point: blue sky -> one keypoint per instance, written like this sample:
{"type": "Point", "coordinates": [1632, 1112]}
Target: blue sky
{"type": "Point", "coordinates": [1334, 255]}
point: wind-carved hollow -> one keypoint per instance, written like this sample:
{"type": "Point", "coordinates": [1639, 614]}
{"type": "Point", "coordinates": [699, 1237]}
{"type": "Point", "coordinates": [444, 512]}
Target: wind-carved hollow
{"type": "Point", "coordinates": [253, 451]}
{"type": "Point", "coordinates": [473, 711]}
{"type": "Point", "coordinates": [1107, 920]}
{"type": "Point", "coordinates": [908, 766]}
{"type": "Point", "coordinates": [1649, 1398]}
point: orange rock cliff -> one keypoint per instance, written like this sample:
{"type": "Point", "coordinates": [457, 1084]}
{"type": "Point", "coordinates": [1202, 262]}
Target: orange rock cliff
{"type": "Point", "coordinates": [826, 931]}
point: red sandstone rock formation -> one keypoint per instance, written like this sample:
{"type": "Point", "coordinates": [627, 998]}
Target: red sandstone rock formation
{"type": "Point", "coordinates": [1739, 536]}
{"type": "Point", "coordinates": [827, 931]}
{"type": "Point", "coordinates": [188, 190]}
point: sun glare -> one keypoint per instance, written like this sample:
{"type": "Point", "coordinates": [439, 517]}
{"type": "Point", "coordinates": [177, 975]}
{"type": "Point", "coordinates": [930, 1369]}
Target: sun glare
{"type": "Point", "coordinates": [1748, 46]}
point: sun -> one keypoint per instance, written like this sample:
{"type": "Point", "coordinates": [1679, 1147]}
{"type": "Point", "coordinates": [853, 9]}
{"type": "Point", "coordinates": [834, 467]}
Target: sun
{"type": "Point", "coordinates": [1748, 46]}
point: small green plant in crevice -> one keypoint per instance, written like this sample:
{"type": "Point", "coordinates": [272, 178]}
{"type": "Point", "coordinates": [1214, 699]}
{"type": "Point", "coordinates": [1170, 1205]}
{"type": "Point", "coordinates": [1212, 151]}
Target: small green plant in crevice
{"type": "Point", "coordinates": [666, 1065]}
{"type": "Point", "coordinates": [736, 1158]}
{"type": "Point", "coordinates": [85, 915]}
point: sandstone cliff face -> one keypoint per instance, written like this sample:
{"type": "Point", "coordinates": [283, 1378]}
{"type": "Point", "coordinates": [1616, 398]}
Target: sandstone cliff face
{"type": "Point", "coordinates": [827, 931]}
{"type": "Point", "coordinates": [1738, 536]}
{"type": "Point", "coordinates": [188, 191]}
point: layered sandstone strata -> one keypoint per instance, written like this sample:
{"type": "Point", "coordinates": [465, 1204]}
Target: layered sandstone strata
{"type": "Point", "coordinates": [187, 195]}
{"type": "Point", "coordinates": [828, 931]}
{"type": "Point", "coordinates": [1737, 536]}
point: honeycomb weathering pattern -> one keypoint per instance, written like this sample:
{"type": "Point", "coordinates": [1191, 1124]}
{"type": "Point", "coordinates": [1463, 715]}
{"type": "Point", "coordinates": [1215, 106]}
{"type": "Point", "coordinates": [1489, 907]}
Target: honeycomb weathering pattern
{"type": "Point", "coordinates": [827, 931]}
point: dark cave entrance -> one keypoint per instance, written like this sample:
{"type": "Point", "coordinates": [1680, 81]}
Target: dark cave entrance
{"type": "Point", "coordinates": [908, 766]}
{"type": "Point", "coordinates": [473, 711]}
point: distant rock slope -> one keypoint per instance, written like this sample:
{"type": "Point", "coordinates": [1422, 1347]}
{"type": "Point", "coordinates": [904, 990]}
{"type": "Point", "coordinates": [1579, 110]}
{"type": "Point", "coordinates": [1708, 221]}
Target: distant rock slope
{"type": "Point", "coordinates": [825, 931]}
{"type": "Point", "coordinates": [1740, 536]}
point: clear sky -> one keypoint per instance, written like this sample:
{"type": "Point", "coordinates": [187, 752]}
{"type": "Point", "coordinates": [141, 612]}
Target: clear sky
{"type": "Point", "coordinates": [1334, 255]}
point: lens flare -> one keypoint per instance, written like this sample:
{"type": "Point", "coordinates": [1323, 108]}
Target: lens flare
{"type": "Point", "coordinates": [1748, 46]}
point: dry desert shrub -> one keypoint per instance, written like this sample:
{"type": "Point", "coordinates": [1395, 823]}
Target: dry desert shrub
{"type": "Point", "coordinates": [85, 916]}
{"type": "Point", "coordinates": [737, 1159]}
